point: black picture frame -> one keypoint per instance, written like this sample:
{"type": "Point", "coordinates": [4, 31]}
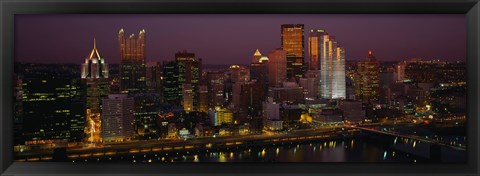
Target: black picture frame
{"type": "Point", "coordinates": [9, 8]}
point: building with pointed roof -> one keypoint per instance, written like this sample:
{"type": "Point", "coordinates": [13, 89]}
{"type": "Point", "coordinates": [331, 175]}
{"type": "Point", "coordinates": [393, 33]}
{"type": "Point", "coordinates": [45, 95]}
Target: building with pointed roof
{"type": "Point", "coordinates": [132, 63]}
{"type": "Point", "coordinates": [95, 76]}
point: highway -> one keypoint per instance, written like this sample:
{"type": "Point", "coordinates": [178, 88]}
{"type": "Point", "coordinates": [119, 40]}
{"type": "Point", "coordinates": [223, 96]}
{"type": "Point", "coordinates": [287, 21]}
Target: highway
{"type": "Point", "coordinates": [204, 143]}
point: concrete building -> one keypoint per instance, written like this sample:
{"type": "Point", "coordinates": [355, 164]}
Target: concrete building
{"type": "Point", "coordinates": [118, 116]}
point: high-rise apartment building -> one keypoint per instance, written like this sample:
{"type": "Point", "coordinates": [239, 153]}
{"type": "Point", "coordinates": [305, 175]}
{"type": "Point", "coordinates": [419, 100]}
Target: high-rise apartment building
{"type": "Point", "coordinates": [118, 117]}
{"type": "Point", "coordinates": [132, 63]}
{"type": "Point", "coordinates": [293, 42]}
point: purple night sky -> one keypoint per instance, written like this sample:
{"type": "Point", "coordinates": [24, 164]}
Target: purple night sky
{"type": "Point", "coordinates": [232, 39]}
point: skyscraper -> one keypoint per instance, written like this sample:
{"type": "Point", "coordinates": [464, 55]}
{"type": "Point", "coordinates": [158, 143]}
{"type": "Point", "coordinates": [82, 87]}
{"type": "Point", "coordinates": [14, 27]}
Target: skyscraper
{"type": "Point", "coordinates": [95, 76]}
{"type": "Point", "coordinates": [216, 88]}
{"type": "Point", "coordinates": [259, 70]}
{"type": "Point", "coordinates": [367, 86]}
{"type": "Point", "coordinates": [53, 108]}
{"type": "Point", "coordinates": [132, 63]}
{"type": "Point", "coordinates": [239, 73]}
{"type": "Point", "coordinates": [277, 67]}
{"type": "Point", "coordinates": [189, 72]}
{"type": "Point", "coordinates": [170, 83]}
{"type": "Point", "coordinates": [203, 98]}
{"type": "Point", "coordinates": [117, 118]}
{"type": "Point", "coordinates": [332, 68]}
{"type": "Point", "coordinates": [154, 77]}
{"type": "Point", "coordinates": [258, 67]}
{"type": "Point", "coordinates": [187, 97]}
{"type": "Point", "coordinates": [293, 42]}
{"type": "Point", "coordinates": [315, 43]}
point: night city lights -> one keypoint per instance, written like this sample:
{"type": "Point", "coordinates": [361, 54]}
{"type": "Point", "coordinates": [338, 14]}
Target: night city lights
{"type": "Point", "coordinates": [240, 88]}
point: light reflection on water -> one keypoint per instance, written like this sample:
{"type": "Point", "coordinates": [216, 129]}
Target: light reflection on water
{"type": "Point", "coordinates": [348, 150]}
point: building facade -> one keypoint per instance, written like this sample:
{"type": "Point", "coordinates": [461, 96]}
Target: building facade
{"type": "Point", "coordinates": [367, 83]}
{"type": "Point", "coordinates": [95, 76]}
{"type": "Point", "coordinates": [132, 63]}
{"type": "Point", "coordinates": [332, 69]}
{"type": "Point", "coordinates": [277, 67]}
{"type": "Point", "coordinates": [118, 118]}
{"type": "Point", "coordinates": [292, 41]}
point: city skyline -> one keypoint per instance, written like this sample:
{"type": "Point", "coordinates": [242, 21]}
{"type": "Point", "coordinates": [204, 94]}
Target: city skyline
{"type": "Point", "coordinates": [70, 38]}
{"type": "Point", "coordinates": [178, 110]}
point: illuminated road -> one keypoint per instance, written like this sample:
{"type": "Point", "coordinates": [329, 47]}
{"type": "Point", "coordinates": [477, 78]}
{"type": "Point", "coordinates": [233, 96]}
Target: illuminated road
{"type": "Point", "coordinates": [194, 144]}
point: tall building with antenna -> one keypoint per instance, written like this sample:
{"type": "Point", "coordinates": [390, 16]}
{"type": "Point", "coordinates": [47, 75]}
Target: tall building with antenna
{"type": "Point", "coordinates": [95, 76]}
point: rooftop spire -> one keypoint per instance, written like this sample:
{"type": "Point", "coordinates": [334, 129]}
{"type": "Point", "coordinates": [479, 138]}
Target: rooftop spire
{"type": "Point", "coordinates": [370, 54]}
{"type": "Point", "coordinates": [94, 53]}
{"type": "Point", "coordinates": [257, 53]}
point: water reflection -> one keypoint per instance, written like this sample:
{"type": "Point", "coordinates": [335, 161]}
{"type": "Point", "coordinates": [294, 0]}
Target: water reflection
{"type": "Point", "coordinates": [349, 150]}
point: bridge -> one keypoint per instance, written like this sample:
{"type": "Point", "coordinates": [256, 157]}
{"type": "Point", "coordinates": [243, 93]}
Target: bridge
{"type": "Point", "coordinates": [413, 137]}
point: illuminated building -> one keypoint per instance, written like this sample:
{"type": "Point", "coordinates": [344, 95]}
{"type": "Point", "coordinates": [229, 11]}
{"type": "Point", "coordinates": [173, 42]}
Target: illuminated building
{"type": "Point", "coordinates": [146, 114]}
{"type": "Point", "coordinates": [187, 97]}
{"type": "Point", "coordinates": [18, 110]}
{"type": "Point", "coordinates": [271, 109]}
{"type": "Point", "coordinates": [186, 69]}
{"type": "Point", "coordinates": [400, 75]}
{"type": "Point", "coordinates": [95, 76]}
{"type": "Point", "coordinates": [53, 108]}
{"type": "Point", "coordinates": [311, 84]}
{"type": "Point", "coordinates": [293, 42]}
{"type": "Point", "coordinates": [436, 72]}
{"type": "Point", "coordinates": [306, 118]}
{"type": "Point", "coordinates": [215, 83]}
{"type": "Point", "coordinates": [118, 118]}
{"type": "Point", "coordinates": [132, 63]}
{"type": "Point", "coordinates": [170, 83]}
{"type": "Point", "coordinates": [154, 77]}
{"type": "Point", "coordinates": [277, 67]}
{"type": "Point", "coordinates": [203, 98]}
{"type": "Point", "coordinates": [400, 71]}
{"type": "Point", "coordinates": [256, 56]}
{"type": "Point", "coordinates": [238, 73]}
{"type": "Point", "coordinates": [274, 125]}
{"type": "Point", "coordinates": [332, 69]}
{"type": "Point", "coordinates": [248, 97]}
{"type": "Point", "coordinates": [289, 92]}
{"type": "Point", "coordinates": [219, 116]}
{"type": "Point", "coordinates": [259, 69]}
{"type": "Point", "coordinates": [352, 110]}
{"type": "Point", "coordinates": [367, 83]}
{"type": "Point", "coordinates": [315, 44]}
